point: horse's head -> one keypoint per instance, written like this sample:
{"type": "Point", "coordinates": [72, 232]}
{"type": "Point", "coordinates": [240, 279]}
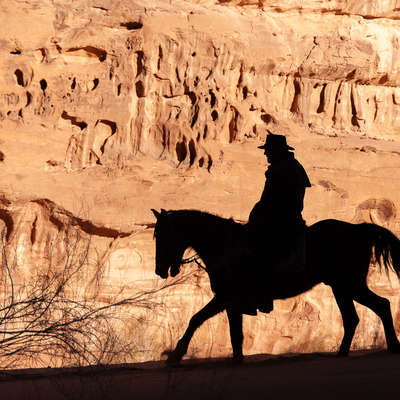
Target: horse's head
{"type": "Point", "coordinates": [170, 244]}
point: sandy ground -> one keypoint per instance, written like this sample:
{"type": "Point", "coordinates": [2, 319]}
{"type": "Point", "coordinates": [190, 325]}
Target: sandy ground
{"type": "Point", "coordinates": [363, 375]}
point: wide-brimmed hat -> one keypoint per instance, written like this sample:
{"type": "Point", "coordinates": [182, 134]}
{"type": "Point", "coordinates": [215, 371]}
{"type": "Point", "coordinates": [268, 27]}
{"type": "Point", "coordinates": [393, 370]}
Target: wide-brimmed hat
{"type": "Point", "coordinates": [275, 143]}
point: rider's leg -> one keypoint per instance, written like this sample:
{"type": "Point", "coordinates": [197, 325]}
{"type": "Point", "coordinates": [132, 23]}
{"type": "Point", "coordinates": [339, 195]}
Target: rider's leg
{"type": "Point", "coordinates": [294, 258]}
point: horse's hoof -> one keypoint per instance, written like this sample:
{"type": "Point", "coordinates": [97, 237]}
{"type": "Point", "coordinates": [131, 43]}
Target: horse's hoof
{"type": "Point", "coordinates": [342, 353]}
{"type": "Point", "coordinates": [237, 360]}
{"type": "Point", "coordinates": [395, 349]}
{"type": "Point", "coordinates": [173, 358]}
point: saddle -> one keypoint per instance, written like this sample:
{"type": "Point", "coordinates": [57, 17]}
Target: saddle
{"type": "Point", "coordinates": [256, 279]}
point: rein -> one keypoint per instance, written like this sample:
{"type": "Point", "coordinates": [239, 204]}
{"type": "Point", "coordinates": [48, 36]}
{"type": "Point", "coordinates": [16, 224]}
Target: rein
{"type": "Point", "coordinates": [195, 259]}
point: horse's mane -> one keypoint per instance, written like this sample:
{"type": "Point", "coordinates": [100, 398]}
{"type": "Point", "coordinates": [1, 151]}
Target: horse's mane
{"type": "Point", "coordinates": [200, 222]}
{"type": "Point", "coordinates": [202, 215]}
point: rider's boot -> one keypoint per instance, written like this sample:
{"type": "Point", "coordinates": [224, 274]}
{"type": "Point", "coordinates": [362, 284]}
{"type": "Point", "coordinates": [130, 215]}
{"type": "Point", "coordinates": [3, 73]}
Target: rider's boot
{"type": "Point", "coordinates": [266, 304]}
{"type": "Point", "coordinates": [248, 309]}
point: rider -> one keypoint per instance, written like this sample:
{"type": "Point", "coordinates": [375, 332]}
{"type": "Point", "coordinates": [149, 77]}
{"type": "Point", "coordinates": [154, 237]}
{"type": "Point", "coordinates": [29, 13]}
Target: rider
{"type": "Point", "coordinates": [276, 227]}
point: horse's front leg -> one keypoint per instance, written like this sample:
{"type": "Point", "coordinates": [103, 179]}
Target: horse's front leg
{"type": "Point", "coordinates": [212, 308]}
{"type": "Point", "coordinates": [236, 330]}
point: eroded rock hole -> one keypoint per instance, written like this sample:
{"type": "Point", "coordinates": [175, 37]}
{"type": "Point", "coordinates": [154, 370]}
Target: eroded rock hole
{"type": "Point", "coordinates": [93, 157]}
{"type": "Point", "coordinates": [233, 125]}
{"type": "Point", "coordinates": [119, 89]}
{"type": "Point", "coordinates": [295, 103]}
{"type": "Point", "coordinates": [28, 99]}
{"type": "Point", "coordinates": [209, 164]}
{"type": "Point", "coordinates": [195, 116]}
{"type": "Point", "coordinates": [213, 98]}
{"type": "Point", "coordinates": [384, 79]}
{"type": "Point", "coordinates": [354, 120]}
{"type": "Point", "coordinates": [192, 96]}
{"type": "Point", "coordinates": [177, 74]}
{"type": "Point", "coordinates": [192, 152]}
{"type": "Point", "coordinates": [100, 8]}
{"type": "Point", "coordinates": [321, 106]}
{"type": "Point", "coordinates": [43, 84]}
{"type": "Point", "coordinates": [16, 52]}
{"type": "Point", "coordinates": [139, 62]}
{"type": "Point", "coordinates": [74, 120]}
{"type": "Point", "coordinates": [139, 89]}
{"type": "Point", "coordinates": [351, 74]}
{"type": "Point", "coordinates": [181, 150]}
{"type": "Point", "coordinates": [111, 124]}
{"type": "Point", "coordinates": [160, 56]}
{"type": "Point", "coordinates": [113, 127]}
{"type": "Point", "coordinates": [132, 25]}
{"type": "Point", "coordinates": [90, 51]}
{"type": "Point", "coordinates": [267, 118]}
{"type": "Point", "coordinates": [95, 83]}
{"type": "Point", "coordinates": [164, 137]}
{"type": "Point", "coordinates": [33, 231]}
{"type": "Point", "coordinates": [245, 92]}
{"type": "Point", "coordinates": [73, 84]}
{"type": "Point", "coordinates": [214, 115]}
{"type": "Point", "coordinates": [8, 220]}
{"type": "Point", "coordinates": [20, 77]}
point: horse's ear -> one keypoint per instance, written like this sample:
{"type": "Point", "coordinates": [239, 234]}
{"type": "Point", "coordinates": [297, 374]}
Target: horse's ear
{"type": "Point", "coordinates": [156, 213]}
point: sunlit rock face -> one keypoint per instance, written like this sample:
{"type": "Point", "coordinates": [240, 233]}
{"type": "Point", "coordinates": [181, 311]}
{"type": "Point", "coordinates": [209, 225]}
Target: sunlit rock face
{"type": "Point", "coordinates": [124, 85]}
{"type": "Point", "coordinates": [110, 108]}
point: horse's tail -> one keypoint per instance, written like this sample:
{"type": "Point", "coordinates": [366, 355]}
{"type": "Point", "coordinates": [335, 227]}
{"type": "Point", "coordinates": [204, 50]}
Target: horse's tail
{"type": "Point", "coordinates": [386, 247]}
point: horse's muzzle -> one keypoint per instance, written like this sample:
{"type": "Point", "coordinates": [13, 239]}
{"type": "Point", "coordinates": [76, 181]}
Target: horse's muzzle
{"type": "Point", "coordinates": [175, 269]}
{"type": "Point", "coordinates": [163, 275]}
{"type": "Point", "coordinates": [165, 272]}
{"type": "Point", "coordinates": [162, 272]}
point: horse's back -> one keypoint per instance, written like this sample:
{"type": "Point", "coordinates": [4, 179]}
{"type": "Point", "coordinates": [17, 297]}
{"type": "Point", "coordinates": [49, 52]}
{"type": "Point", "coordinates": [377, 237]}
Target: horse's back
{"type": "Point", "coordinates": [334, 230]}
{"type": "Point", "coordinates": [340, 249]}
{"type": "Point", "coordinates": [331, 224]}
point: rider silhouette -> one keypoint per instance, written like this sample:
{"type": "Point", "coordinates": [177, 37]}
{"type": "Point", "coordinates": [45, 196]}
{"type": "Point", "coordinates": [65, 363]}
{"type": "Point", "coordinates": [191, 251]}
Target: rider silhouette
{"type": "Point", "coordinates": [276, 229]}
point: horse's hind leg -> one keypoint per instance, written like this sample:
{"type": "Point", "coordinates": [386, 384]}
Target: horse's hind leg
{"type": "Point", "coordinates": [236, 330]}
{"type": "Point", "coordinates": [349, 317]}
{"type": "Point", "coordinates": [209, 310]}
{"type": "Point", "coordinates": [381, 308]}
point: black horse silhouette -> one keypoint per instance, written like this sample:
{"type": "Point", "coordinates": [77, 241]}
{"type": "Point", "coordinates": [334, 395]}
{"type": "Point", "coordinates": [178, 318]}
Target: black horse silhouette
{"type": "Point", "coordinates": [338, 254]}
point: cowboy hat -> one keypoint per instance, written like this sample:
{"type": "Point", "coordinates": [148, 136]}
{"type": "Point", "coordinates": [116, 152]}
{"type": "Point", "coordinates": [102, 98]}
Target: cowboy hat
{"type": "Point", "coordinates": [275, 143]}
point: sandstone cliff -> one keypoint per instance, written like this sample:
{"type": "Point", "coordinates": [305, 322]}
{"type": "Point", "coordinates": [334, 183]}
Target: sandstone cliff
{"type": "Point", "coordinates": [110, 108]}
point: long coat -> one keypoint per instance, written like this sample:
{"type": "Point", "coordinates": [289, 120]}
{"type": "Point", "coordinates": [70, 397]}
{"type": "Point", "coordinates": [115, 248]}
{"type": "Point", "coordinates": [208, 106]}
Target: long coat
{"type": "Point", "coordinates": [278, 212]}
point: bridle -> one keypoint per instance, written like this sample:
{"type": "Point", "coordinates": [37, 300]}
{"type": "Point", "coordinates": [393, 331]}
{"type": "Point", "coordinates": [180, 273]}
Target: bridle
{"type": "Point", "coordinates": [190, 260]}
{"type": "Point", "coordinates": [195, 259]}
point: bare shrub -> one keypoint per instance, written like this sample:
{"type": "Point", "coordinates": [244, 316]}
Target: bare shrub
{"type": "Point", "coordinates": [57, 315]}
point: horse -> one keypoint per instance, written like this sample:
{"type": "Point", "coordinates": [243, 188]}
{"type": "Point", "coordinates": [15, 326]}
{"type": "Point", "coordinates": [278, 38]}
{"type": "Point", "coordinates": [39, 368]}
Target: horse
{"type": "Point", "coordinates": [338, 254]}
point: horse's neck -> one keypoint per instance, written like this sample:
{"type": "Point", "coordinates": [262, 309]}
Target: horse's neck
{"type": "Point", "coordinates": [208, 247]}
{"type": "Point", "coordinates": [196, 240]}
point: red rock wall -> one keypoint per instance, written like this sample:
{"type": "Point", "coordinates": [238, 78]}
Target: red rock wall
{"type": "Point", "coordinates": [110, 108]}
